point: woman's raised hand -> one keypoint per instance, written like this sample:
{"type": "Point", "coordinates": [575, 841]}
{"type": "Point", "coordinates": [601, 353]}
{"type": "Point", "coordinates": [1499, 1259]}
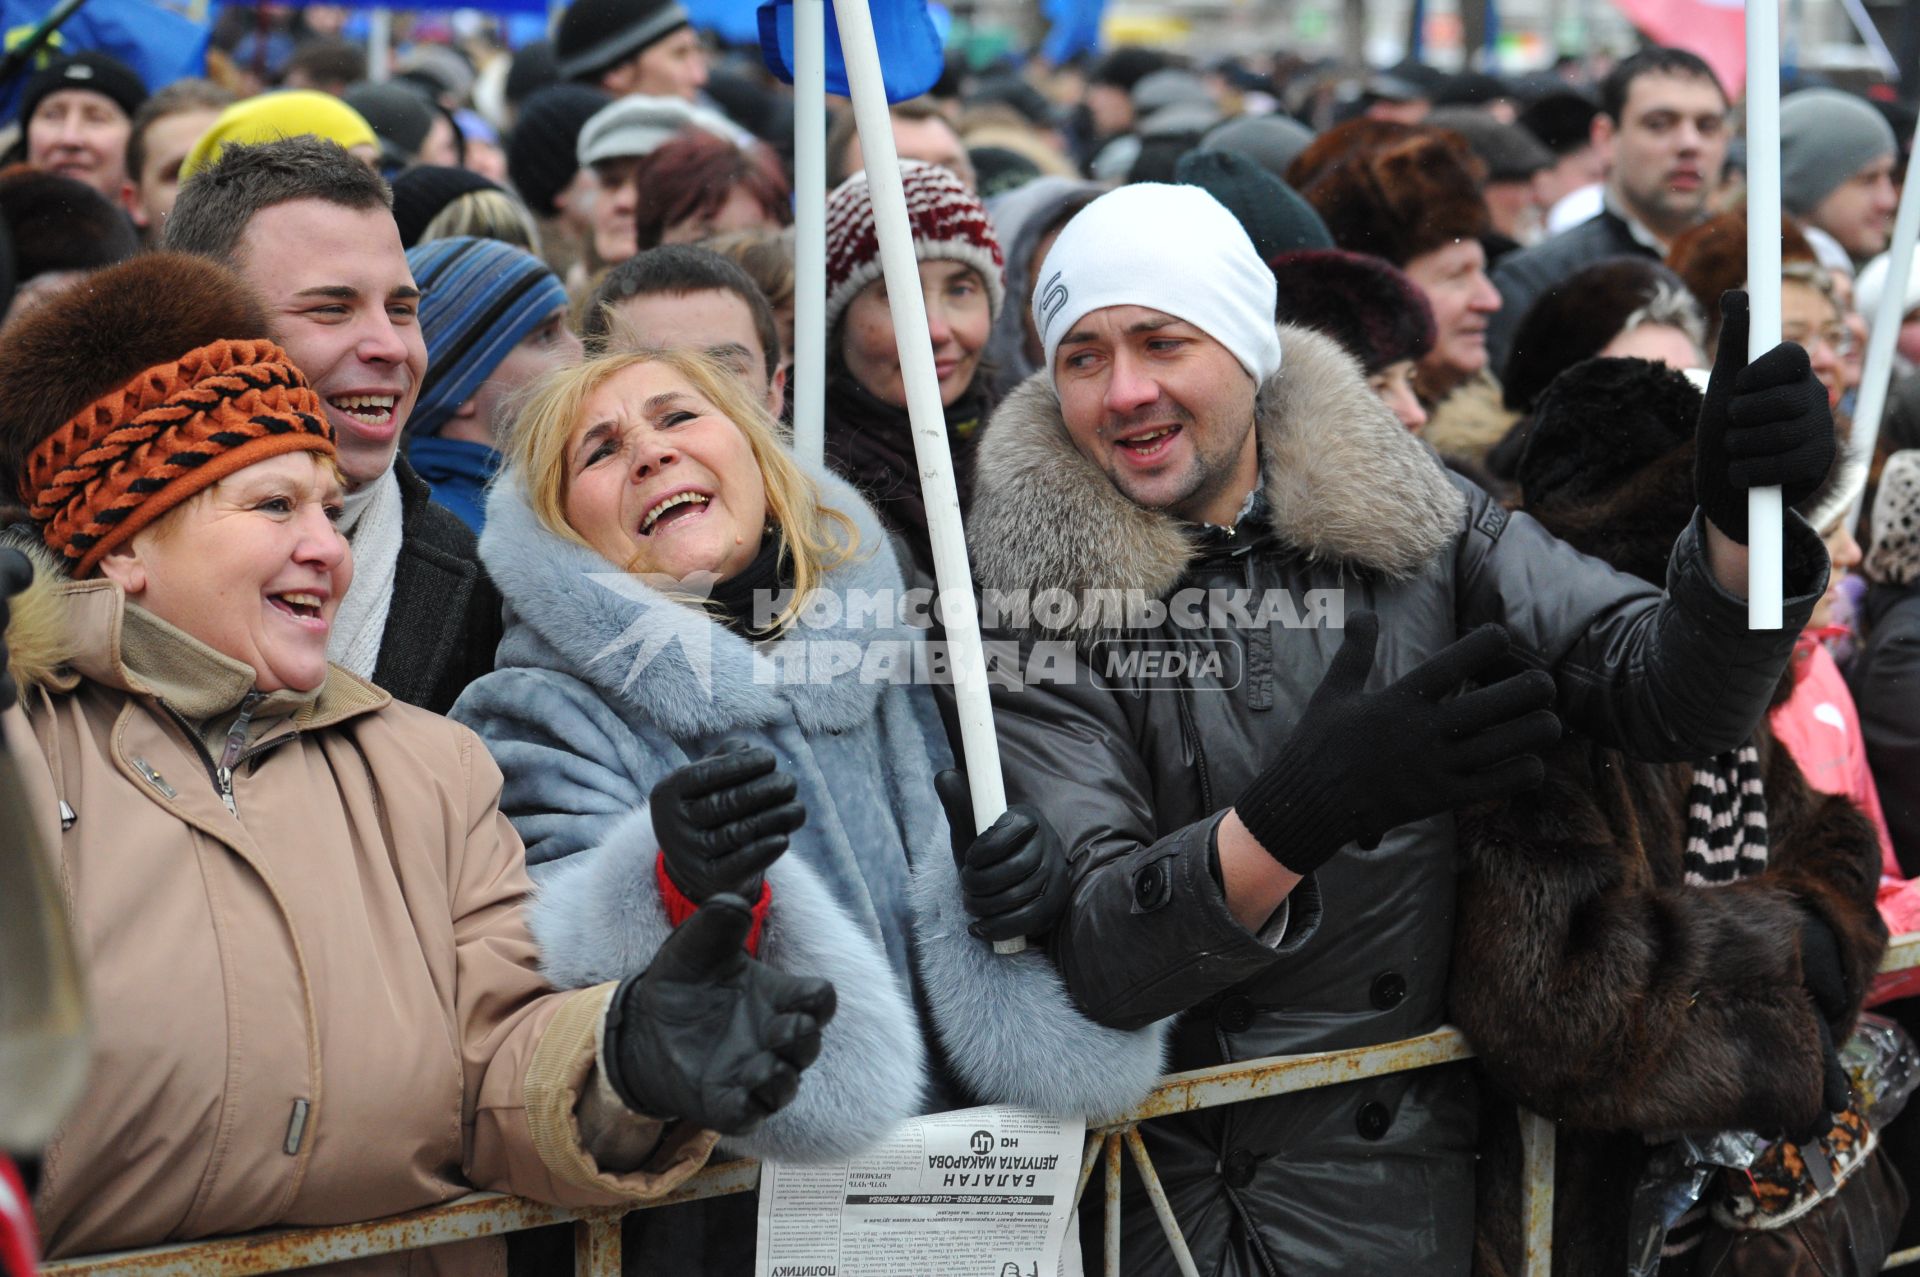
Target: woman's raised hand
{"type": "Point", "coordinates": [722, 819]}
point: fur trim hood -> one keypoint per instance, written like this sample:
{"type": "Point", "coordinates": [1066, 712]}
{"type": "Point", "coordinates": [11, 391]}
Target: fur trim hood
{"type": "Point", "coordinates": [39, 638]}
{"type": "Point", "coordinates": [1345, 483]}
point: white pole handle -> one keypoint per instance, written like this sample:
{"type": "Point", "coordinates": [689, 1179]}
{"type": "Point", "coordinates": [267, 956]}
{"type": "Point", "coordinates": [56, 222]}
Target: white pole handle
{"type": "Point", "coordinates": [1871, 404]}
{"type": "Point", "coordinates": [1766, 514]}
{"type": "Point", "coordinates": [808, 379]}
{"type": "Point", "coordinates": [901, 270]}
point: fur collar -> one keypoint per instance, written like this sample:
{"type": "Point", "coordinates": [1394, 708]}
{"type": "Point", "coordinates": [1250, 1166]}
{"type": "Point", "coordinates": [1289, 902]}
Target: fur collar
{"type": "Point", "coordinates": [569, 609]}
{"type": "Point", "coordinates": [1345, 483]}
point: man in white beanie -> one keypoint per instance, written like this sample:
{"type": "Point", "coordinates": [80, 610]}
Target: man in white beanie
{"type": "Point", "coordinates": [1253, 758]}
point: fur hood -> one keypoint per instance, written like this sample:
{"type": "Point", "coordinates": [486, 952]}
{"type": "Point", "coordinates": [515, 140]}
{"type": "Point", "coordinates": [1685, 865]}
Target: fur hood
{"type": "Point", "coordinates": [39, 638]}
{"type": "Point", "coordinates": [1345, 483]}
{"type": "Point", "coordinates": [568, 608]}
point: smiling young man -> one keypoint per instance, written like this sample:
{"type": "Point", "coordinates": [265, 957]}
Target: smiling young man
{"type": "Point", "coordinates": [311, 229]}
{"type": "Point", "coordinates": [1301, 546]}
{"type": "Point", "coordinates": [1662, 132]}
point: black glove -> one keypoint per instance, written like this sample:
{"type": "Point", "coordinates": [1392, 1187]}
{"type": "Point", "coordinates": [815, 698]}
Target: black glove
{"type": "Point", "coordinates": [723, 819]}
{"type": "Point", "coordinates": [1359, 763]}
{"type": "Point", "coordinates": [710, 1035]}
{"type": "Point", "coordinates": [16, 573]}
{"type": "Point", "coordinates": [1824, 975]}
{"type": "Point", "coordinates": [1014, 876]}
{"type": "Point", "coordinates": [1764, 424]}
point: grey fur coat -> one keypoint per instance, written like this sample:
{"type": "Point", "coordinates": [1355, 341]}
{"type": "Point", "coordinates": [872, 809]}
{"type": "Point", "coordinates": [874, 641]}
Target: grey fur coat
{"type": "Point", "coordinates": [605, 685]}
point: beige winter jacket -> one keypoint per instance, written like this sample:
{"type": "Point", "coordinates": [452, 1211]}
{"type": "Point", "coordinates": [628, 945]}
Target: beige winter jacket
{"type": "Point", "coordinates": [319, 1006]}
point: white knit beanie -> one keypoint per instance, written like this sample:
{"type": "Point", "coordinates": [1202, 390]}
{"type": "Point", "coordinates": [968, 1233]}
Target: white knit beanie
{"type": "Point", "coordinates": [1174, 249]}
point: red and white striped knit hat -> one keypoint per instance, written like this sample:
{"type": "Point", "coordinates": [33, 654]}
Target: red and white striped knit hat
{"type": "Point", "coordinates": [949, 224]}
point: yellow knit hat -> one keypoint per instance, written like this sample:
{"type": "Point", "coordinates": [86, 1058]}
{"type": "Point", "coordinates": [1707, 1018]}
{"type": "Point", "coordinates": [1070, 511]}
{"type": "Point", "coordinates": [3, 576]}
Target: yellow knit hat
{"type": "Point", "coordinates": [272, 116]}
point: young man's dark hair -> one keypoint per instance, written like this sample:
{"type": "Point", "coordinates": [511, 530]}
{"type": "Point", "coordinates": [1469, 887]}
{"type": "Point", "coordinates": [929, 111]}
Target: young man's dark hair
{"type": "Point", "coordinates": [216, 203]}
{"type": "Point", "coordinates": [327, 63]}
{"type": "Point", "coordinates": [176, 99]}
{"type": "Point", "coordinates": [678, 268]}
{"type": "Point", "coordinates": [843, 133]}
{"type": "Point", "coordinates": [1657, 60]}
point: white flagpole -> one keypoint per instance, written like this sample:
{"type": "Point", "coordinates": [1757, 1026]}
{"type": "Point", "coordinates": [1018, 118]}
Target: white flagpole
{"type": "Point", "coordinates": [379, 43]}
{"type": "Point", "coordinates": [901, 270]}
{"type": "Point", "coordinates": [1766, 513]}
{"type": "Point", "coordinates": [808, 378]}
{"type": "Point", "coordinates": [1872, 402]}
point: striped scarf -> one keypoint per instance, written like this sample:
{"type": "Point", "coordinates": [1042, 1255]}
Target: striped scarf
{"type": "Point", "coordinates": [1726, 841]}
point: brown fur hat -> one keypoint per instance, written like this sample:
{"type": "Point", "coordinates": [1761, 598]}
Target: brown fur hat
{"type": "Point", "coordinates": [1393, 190]}
{"type": "Point", "coordinates": [1712, 257]}
{"type": "Point", "coordinates": [96, 335]}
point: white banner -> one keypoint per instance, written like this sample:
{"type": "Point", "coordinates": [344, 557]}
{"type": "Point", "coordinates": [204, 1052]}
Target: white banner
{"type": "Point", "coordinates": [984, 1192]}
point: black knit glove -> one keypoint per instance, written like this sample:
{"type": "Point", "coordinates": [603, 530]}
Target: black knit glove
{"type": "Point", "coordinates": [1013, 877]}
{"type": "Point", "coordinates": [1360, 763]}
{"type": "Point", "coordinates": [1824, 975]}
{"type": "Point", "coordinates": [709, 1035]}
{"type": "Point", "coordinates": [16, 573]}
{"type": "Point", "coordinates": [1764, 424]}
{"type": "Point", "coordinates": [723, 819]}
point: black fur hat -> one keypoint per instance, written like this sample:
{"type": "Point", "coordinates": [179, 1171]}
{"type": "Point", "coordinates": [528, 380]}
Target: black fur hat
{"type": "Point", "coordinates": [1608, 465]}
{"type": "Point", "coordinates": [1362, 302]}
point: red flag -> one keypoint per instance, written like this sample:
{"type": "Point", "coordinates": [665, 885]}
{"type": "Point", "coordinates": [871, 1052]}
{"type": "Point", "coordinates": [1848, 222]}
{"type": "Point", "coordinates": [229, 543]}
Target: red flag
{"type": "Point", "coordinates": [1714, 29]}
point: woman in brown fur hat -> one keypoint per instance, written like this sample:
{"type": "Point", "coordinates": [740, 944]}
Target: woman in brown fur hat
{"type": "Point", "coordinates": [1641, 948]}
{"type": "Point", "coordinates": [314, 997]}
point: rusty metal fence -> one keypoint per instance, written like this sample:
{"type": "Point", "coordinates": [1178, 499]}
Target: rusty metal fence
{"type": "Point", "coordinates": [597, 1231]}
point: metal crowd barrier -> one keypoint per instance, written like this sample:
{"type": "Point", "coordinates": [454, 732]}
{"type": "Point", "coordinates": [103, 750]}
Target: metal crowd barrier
{"type": "Point", "coordinates": [597, 1231]}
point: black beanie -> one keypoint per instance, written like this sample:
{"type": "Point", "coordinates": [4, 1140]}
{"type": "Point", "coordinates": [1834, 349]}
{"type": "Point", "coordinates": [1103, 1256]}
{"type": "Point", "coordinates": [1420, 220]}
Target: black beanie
{"type": "Point", "coordinates": [541, 155]}
{"type": "Point", "coordinates": [60, 223]}
{"type": "Point", "coordinates": [1362, 302]}
{"type": "Point", "coordinates": [597, 34]}
{"type": "Point", "coordinates": [420, 193]}
{"type": "Point", "coordinates": [533, 69]}
{"type": "Point", "coordinates": [95, 72]}
{"type": "Point", "coordinates": [1127, 66]}
{"type": "Point", "coordinates": [399, 114]}
{"type": "Point", "coordinates": [1276, 219]}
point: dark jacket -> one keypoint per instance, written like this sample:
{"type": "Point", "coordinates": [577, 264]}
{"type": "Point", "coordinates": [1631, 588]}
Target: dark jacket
{"type": "Point", "coordinates": [1524, 276]}
{"type": "Point", "coordinates": [1886, 688]}
{"type": "Point", "coordinates": [445, 618]}
{"type": "Point", "coordinates": [1375, 1176]}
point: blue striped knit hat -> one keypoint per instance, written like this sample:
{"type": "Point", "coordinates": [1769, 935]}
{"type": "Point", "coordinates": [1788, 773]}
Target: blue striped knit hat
{"type": "Point", "coordinates": [479, 298]}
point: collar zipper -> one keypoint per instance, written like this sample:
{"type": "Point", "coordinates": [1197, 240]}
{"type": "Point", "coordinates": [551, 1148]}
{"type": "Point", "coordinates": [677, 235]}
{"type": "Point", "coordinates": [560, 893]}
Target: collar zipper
{"type": "Point", "coordinates": [220, 771]}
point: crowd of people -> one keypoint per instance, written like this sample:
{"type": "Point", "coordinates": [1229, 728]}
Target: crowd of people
{"type": "Point", "coordinates": [476, 750]}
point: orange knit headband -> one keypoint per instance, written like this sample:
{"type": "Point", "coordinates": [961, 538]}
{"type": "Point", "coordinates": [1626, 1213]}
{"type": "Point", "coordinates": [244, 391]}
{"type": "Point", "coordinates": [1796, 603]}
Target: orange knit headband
{"type": "Point", "coordinates": [133, 454]}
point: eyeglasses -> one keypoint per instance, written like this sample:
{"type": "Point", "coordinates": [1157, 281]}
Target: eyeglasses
{"type": "Point", "coordinates": [1834, 336]}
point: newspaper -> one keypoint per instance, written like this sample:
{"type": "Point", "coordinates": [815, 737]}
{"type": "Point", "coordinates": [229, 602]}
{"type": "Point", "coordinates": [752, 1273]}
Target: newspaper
{"type": "Point", "coordinates": [983, 1192]}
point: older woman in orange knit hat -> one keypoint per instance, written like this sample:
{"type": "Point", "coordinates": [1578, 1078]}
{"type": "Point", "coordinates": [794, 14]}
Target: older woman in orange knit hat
{"type": "Point", "coordinates": [299, 908]}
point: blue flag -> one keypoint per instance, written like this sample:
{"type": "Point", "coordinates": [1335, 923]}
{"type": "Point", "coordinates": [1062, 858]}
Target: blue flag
{"type": "Point", "coordinates": [159, 44]}
{"type": "Point", "coordinates": [1073, 28]}
{"type": "Point", "coordinates": [908, 32]}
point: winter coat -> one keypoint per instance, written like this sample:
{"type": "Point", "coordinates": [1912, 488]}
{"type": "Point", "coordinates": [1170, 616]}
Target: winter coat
{"type": "Point", "coordinates": [317, 1007]}
{"type": "Point", "coordinates": [1524, 277]}
{"type": "Point", "coordinates": [1603, 992]}
{"type": "Point", "coordinates": [869, 443]}
{"type": "Point", "coordinates": [445, 617]}
{"type": "Point", "coordinates": [1374, 1176]}
{"type": "Point", "coordinates": [606, 685]}
{"type": "Point", "coordinates": [1886, 690]}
